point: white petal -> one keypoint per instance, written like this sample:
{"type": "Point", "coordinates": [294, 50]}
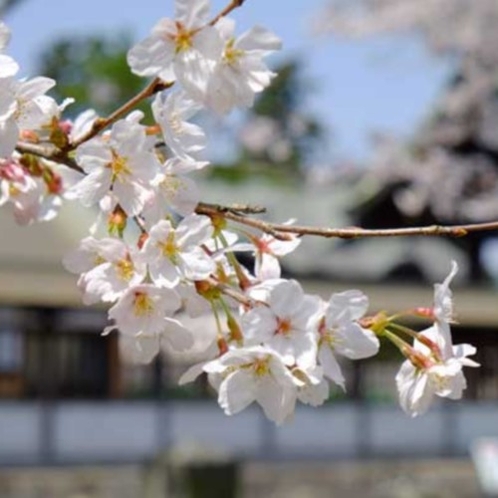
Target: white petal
{"type": "Point", "coordinates": [415, 391]}
{"type": "Point", "coordinates": [286, 297]}
{"type": "Point", "coordinates": [314, 395]}
{"type": "Point", "coordinates": [259, 38]}
{"type": "Point", "coordinates": [331, 368]}
{"type": "Point", "coordinates": [236, 392]}
{"type": "Point", "coordinates": [8, 66]}
{"type": "Point", "coordinates": [177, 336]}
{"type": "Point", "coordinates": [196, 265]}
{"type": "Point", "coordinates": [141, 349]}
{"type": "Point", "coordinates": [259, 325]}
{"type": "Point", "coordinates": [191, 374]}
{"type": "Point", "coordinates": [9, 134]}
{"type": "Point", "coordinates": [277, 402]}
{"type": "Point", "coordinates": [346, 306]}
{"type": "Point", "coordinates": [151, 56]}
{"type": "Point", "coordinates": [355, 342]}
{"type": "Point", "coordinates": [267, 266]}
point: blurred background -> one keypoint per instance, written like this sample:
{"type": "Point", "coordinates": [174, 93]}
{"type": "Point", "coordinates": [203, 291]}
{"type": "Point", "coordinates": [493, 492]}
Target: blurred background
{"type": "Point", "coordinates": [384, 113]}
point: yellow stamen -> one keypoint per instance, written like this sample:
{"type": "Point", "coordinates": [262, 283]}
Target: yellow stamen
{"type": "Point", "coordinates": [231, 54]}
{"type": "Point", "coordinates": [125, 268]}
{"type": "Point", "coordinates": [169, 246]}
{"type": "Point", "coordinates": [98, 260]}
{"type": "Point", "coordinates": [142, 304]}
{"type": "Point", "coordinates": [183, 39]}
{"type": "Point", "coordinates": [284, 326]}
{"type": "Point", "coordinates": [119, 166]}
{"type": "Point", "coordinates": [13, 190]}
{"type": "Point", "coordinates": [261, 366]}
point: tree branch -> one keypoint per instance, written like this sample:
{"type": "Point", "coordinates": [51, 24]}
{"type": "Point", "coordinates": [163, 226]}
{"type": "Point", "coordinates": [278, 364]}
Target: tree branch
{"type": "Point", "coordinates": [282, 231]}
{"type": "Point", "coordinates": [156, 85]}
{"type": "Point", "coordinates": [49, 152]}
{"type": "Point", "coordinates": [234, 4]}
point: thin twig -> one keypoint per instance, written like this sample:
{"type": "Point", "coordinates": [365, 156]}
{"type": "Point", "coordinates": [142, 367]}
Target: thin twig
{"type": "Point", "coordinates": [49, 152]}
{"type": "Point", "coordinates": [356, 232]}
{"type": "Point", "coordinates": [156, 85]}
{"type": "Point", "coordinates": [235, 215]}
{"type": "Point", "coordinates": [234, 4]}
{"type": "Point", "coordinates": [280, 230]}
{"type": "Point", "coordinates": [231, 292]}
{"type": "Point", "coordinates": [233, 208]}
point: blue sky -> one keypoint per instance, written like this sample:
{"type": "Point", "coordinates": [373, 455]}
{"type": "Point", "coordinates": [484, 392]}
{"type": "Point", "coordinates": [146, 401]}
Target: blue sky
{"type": "Point", "coordinates": [384, 83]}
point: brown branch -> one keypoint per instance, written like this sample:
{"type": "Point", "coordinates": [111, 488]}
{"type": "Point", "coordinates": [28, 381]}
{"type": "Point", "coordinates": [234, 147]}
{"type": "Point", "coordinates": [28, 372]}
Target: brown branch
{"type": "Point", "coordinates": [234, 4]}
{"type": "Point", "coordinates": [226, 212]}
{"type": "Point", "coordinates": [357, 232]}
{"type": "Point", "coordinates": [156, 85]}
{"type": "Point", "coordinates": [282, 231]}
{"type": "Point", "coordinates": [49, 152]}
{"type": "Point", "coordinates": [239, 209]}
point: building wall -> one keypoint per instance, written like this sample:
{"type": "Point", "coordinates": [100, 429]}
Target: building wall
{"type": "Point", "coordinates": [120, 432]}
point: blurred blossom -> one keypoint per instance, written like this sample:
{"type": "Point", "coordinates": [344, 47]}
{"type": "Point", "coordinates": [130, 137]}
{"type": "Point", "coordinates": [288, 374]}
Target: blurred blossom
{"type": "Point", "coordinates": [259, 133]}
{"type": "Point", "coordinates": [448, 171]}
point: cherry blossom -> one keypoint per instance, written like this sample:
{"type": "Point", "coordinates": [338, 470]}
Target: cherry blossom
{"type": "Point", "coordinates": [255, 374]}
{"type": "Point", "coordinates": [267, 249]}
{"type": "Point", "coordinates": [123, 161]}
{"type": "Point", "coordinates": [143, 313]}
{"type": "Point", "coordinates": [240, 72]}
{"type": "Point", "coordinates": [185, 140]}
{"type": "Point", "coordinates": [173, 191]}
{"type": "Point", "coordinates": [426, 374]}
{"type": "Point", "coordinates": [340, 333]}
{"type": "Point", "coordinates": [23, 106]}
{"type": "Point", "coordinates": [434, 365]}
{"type": "Point", "coordinates": [183, 48]}
{"type": "Point", "coordinates": [8, 66]}
{"type": "Point", "coordinates": [175, 254]}
{"type": "Point", "coordinates": [33, 197]}
{"type": "Point", "coordinates": [287, 325]}
{"type": "Point", "coordinates": [108, 268]}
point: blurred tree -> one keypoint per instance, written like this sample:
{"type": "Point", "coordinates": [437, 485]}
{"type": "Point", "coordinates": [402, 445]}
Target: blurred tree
{"type": "Point", "coordinates": [92, 70]}
{"type": "Point", "coordinates": [449, 172]}
{"type": "Point", "coordinates": [7, 5]}
{"type": "Point", "coordinates": [277, 136]}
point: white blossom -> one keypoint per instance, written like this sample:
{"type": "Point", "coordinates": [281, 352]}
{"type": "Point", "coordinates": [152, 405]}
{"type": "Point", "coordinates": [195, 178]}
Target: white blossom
{"type": "Point", "coordinates": [428, 374]}
{"type": "Point", "coordinates": [287, 325]}
{"type": "Point", "coordinates": [122, 161]}
{"type": "Point", "coordinates": [185, 140]}
{"type": "Point", "coordinates": [143, 315]}
{"type": "Point", "coordinates": [108, 268]}
{"type": "Point", "coordinates": [434, 367]}
{"type": "Point", "coordinates": [8, 66]}
{"type": "Point", "coordinates": [267, 249]}
{"type": "Point", "coordinates": [183, 48]}
{"type": "Point", "coordinates": [254, 374]}
{"type": "Point", "coordinates": [240, 72]}
{"type": "Point", "coordinates": [340, 333]}
{"type": "Point", "coordinates": [173, 191]}
{"type": "Point", "coordinates": [176, 253]}
{"type": "Point", "coordinates": [23, 106]}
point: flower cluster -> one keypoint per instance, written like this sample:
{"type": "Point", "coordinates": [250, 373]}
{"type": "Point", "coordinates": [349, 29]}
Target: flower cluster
{"type": "Point", "coordinates": [164, 251]}
{"type": "Point", "coordinates": [33, 187]}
